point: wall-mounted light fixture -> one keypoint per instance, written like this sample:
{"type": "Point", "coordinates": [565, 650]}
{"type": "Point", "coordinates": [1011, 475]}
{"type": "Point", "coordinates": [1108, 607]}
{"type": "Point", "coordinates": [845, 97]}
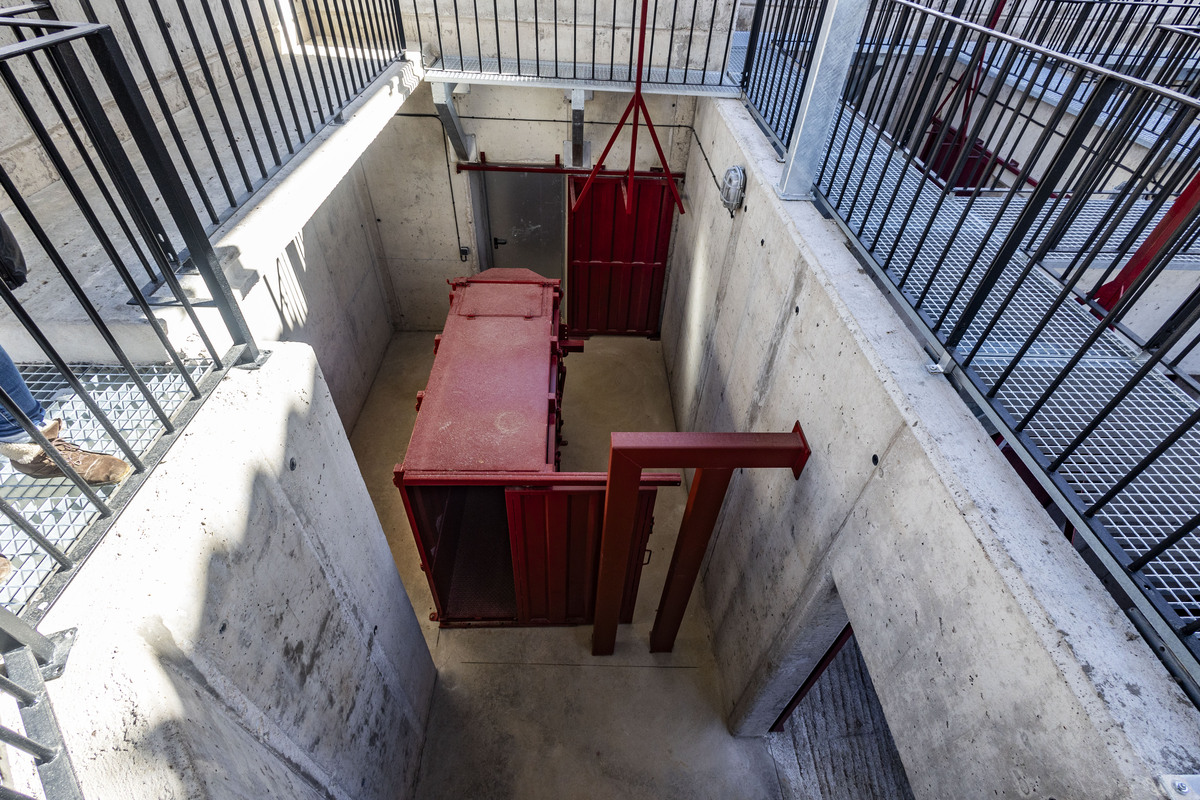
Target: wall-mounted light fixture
{"type": "Point", "coordinates": [733, 190]}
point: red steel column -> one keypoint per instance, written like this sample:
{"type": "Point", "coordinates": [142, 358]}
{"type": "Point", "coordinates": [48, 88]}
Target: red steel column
{"type": "Point", "coordinates": [699, 519]}
{"type": "Point", "coordinates": [620, 508]}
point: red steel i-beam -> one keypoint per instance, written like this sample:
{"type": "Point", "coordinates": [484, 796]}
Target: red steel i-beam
{"type": "Point", "coordinates": [1164, 233]}
{"type": "Point", "coordinates": [714, 456]}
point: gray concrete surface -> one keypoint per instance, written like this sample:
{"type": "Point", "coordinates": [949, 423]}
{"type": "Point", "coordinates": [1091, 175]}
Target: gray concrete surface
{"type": "Point", "coordinates": [1003, 667]}
{"type": "Point", "coordinates": [242, 631]}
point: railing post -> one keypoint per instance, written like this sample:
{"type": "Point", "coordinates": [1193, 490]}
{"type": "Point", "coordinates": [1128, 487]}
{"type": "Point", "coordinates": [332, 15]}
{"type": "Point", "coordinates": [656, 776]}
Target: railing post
{"type": "Point", "coordinates": [137, 117]}
{"type": "Point", "coordinates": [833, 54]}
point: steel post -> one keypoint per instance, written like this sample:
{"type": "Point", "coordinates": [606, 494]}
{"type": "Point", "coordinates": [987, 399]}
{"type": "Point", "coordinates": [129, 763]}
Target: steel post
{"type": "Point", "coordinates": [718, 454]}
{"type": "Point", "coordinates": [832, 57]}
{"type": "Point", "coordinates": [699, 519]}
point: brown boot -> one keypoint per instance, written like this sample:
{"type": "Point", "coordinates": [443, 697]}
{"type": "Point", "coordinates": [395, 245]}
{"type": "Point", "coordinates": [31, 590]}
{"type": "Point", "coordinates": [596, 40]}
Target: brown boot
{"type": "Point", "coordinates": [6, 569]}
{"type": "Point", "coordinates": [97, 469]}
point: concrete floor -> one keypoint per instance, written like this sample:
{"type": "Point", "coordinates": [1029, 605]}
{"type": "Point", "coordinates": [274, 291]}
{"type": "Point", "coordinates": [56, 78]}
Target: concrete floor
{"type": "Point", "coordinates": [529, 712]}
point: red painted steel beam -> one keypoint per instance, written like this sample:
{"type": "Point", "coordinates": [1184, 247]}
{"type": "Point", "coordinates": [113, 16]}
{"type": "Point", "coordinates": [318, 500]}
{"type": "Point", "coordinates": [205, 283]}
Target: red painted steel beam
{"type": "Point", "coordinates": [699, 518]}
{"type": "Point", "coordinates": [716, 455]}
{"type": "Point", "coordinates": [522, 479]}
{"type": "Point", "coordinates": [1182, 210]}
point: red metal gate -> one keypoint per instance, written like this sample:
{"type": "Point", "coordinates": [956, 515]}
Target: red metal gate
{"type": "Point", "coordinates": [555, 536]}
{"type": "Point", "coordinates": [618, 261]}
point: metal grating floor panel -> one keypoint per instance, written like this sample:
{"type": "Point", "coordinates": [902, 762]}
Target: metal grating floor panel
{"type": "Point", "coordinates": [55, 506]}
{"type": "Point", "coordinates": [936, 250]}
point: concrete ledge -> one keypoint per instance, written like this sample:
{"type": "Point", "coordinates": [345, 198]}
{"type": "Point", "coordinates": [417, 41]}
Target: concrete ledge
{"type": "Point", "coordinates": [1003, 666]}
{"type": "Point", "coordinates": [243, 631]}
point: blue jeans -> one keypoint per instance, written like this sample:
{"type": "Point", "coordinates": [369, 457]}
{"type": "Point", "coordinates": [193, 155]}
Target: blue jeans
{"type": "Point", "coordinates": [14, 385]}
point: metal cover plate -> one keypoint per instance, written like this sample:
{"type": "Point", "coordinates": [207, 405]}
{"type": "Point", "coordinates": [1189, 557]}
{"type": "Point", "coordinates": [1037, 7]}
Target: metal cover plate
{"type": "Point", "coordinates": [486, 407]}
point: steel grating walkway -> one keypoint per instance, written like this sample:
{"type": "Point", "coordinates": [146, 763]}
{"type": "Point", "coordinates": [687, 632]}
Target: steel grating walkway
{"type": "Point", "coordinates": [924, 227]}
{"type": "Point", "coordinates": [56, 507]}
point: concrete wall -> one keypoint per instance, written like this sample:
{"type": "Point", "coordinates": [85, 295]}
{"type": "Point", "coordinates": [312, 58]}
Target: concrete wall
{"type": "Point", "coordinates": [417, 202]}
{"type": "Point", "coordinates": [243, 632]}
{"type": "Point", "coordinates": [1003, 667]}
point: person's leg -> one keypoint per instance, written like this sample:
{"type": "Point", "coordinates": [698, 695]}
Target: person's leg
{"type": "Point", "coordinates": [14, 385]}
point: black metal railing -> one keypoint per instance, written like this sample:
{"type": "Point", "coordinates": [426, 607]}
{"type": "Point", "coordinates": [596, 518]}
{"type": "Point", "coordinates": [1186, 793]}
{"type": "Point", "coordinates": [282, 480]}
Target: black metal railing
{"type": "Point", "coordinates": [95, 211]}
{"type": "Point", "coordinates": [1040, 216]}
{"type": "Point", "coordinates": [687, 41]}
{"type": "Point", "coordinates": [82, 236]}
{"type": "Point", "coordinates": [241, 85]}
{"type": "Point", "coordinates": [778, 54]}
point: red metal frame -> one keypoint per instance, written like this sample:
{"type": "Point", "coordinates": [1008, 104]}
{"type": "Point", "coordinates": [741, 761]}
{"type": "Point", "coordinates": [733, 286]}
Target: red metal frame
{"type": "Point", "coordinates": [714, 456]}
{"type": "Point", "coordinates": [1176, 217]}
{"type": "Point", "coordinates": [636, 104]}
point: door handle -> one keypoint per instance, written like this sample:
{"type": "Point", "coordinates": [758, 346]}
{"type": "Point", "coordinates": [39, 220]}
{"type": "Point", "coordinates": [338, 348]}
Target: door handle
{"type": "Point", "coordinates": [497, 242]}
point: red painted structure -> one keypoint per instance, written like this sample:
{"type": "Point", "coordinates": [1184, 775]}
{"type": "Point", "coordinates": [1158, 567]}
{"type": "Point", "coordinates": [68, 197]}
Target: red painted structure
{"type": "Point", "coordinates": [617, 259]}
{"type": "Point", "coordinates": [714, 456]}
{"type": "Point", "coordinates": [505, 538]}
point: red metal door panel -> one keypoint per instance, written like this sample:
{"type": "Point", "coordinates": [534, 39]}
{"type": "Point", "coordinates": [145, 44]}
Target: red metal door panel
{"type": "Point", "coordinates": [555, 537]}
{"type": "Point", "coordinates": [618, 261]}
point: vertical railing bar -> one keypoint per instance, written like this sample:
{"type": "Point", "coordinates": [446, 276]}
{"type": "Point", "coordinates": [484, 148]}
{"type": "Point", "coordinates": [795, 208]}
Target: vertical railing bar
{"type": "Point", "coordinates": [291, 50]}
{"type": "Point", "coordinates": [923, 99]}
{"type": "Point", "coordinates": [876, 34]}
{"type": "Point", "coordinates": [193, 102]}
{"type": "Point", "coordinates": [499, 49]}
{"type": "Point", "coordinates": [691, 35]}
{"type": "Point", "coordinates": [767, 57]}
{"type": "Point", "coordinates": [248, 74]}
{"type": "Point", "coordinates": [331, 80]}
{"type": "Point", "coordinates": [214, 94]}
{"type": "Point", "coordinates": [652, 30]}
{"type": "Point", "coordinates": [128, 185]}
{"type": "Point", "coordinates": [1113, 315]}
{"type": "Point", "coordinates": [233, 87]}
{"type": "Point", "coordinates": [356, 25]}
{"type": "Point", "coordinates": [1131, 475]}
{"type": "Point", "coordinates": [334, 54]}
{"type": "Point", "coordinates": [458, 35]}
{"type": "Point", "coordinates": [712, 20]}
{"type": "Point", "coordinates": [347, 46]}
{"type": "Point", "coordinates": [1034, 205]}
{"type": "Point", "coordinates": [371, 48]}
{"type": "Point", "coordinates": [1082, 258]}
{"type": "Point", "coordinates": [89, 162]}
{"type": "Point", "coordinates": [107, 54]}
{"type": "Point", "coordinates": [266, 73]}
{"type": "Point", "coordinates": [1165, 544]}
{"type": "Point", "coordinates": [517, 34]}
{"type": "Point", "coordinates": [725, 51]}
{"type": "Point", "coordinates": [77, 291]}
{"type": "Point", "coordinates": [908, 18]}
{"type": "Point", "coordinates": [33, 533]}
{"type": "Point", "coordinates": [595, 15]}
{"type": "Point", "coordinates": [793, 83]}
{"type": "Point", "coordinates": [773, 72]}
{"type": "Point", "coordinates": [283, 77]}
{"type": "Point", "coordinates": [168, 114]}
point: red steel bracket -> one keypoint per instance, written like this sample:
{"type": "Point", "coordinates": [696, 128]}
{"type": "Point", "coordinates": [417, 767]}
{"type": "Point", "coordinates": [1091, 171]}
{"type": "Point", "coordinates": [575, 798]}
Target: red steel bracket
{"type": "Point", "coordinates": [714, 456]}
